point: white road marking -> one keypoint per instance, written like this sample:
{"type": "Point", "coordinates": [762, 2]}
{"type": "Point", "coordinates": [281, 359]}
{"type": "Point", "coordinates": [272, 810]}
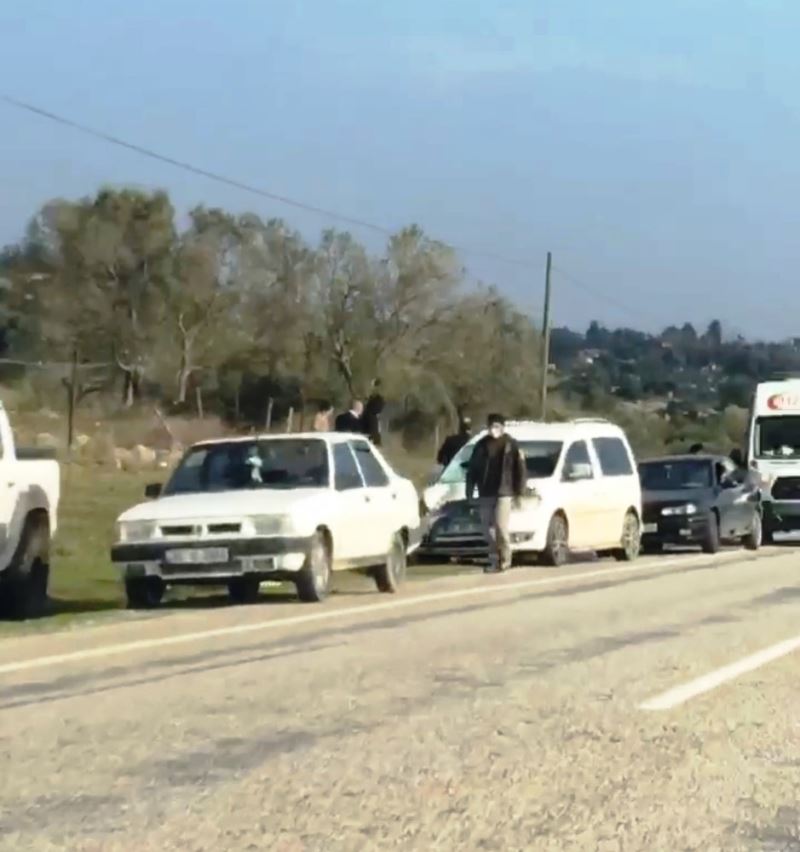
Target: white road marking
{"type": "Point", "coordinates": [329, 615]}
{"type": "Point", "coordinates": [699, 686]}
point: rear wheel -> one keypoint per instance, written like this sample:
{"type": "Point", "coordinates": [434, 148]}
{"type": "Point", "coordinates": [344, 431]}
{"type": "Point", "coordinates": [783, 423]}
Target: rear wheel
{"type": "Point", "coordinates": [23, 591]}
{"type": "Point", "coordinates": [631, 539]}
{"type": "Point", "coordinates": [710, 543]}
{"type": "Point", "coordinates": [391, 575]}
{"type": "Point", "coordinates": [314, 579]}
{"type": "Point", "coordinates": [556, 551]}
{"type": "Point", "coordinates": [752, 541]}
{"type": "Point", "coordinates": [244, 590]}
{"type": "Point", "coordinates": [144, 592]}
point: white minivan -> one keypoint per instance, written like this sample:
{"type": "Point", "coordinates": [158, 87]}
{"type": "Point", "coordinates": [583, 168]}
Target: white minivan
{"type": "Point", "coordinates": [583, 494]}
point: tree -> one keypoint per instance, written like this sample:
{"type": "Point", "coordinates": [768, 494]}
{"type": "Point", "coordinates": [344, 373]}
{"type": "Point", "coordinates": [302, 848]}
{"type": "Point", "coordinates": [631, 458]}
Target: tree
{"type": "Point", "coordinates": [110, 258]}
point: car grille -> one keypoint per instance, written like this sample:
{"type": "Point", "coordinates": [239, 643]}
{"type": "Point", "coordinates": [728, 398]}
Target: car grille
{"type": "Point", "coordinates": [786, 488]}
{"type": "Point", "coordinates": [179, 531]}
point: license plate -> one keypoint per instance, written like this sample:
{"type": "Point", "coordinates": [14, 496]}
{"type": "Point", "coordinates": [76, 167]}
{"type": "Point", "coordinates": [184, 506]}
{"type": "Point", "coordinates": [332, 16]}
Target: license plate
{"type": "Point", "coordinates": [650, 528]}
{"type": "Point", "coordinates": [198, 556]}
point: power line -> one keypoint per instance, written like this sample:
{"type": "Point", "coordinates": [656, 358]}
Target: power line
{"type": "Point", "coordinates": [238, 184]}
{"type": "Point", "coordinates": [283, 199]}
{"type": "Point", "coordinates": [581, 285]}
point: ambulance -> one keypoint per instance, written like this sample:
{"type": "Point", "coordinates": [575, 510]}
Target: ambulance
{"type": "Point", "coordinates": [773, 452]}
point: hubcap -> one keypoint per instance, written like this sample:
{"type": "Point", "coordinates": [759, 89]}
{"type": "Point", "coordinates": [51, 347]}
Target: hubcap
{"type": "Point", "coordinates": [319, 566]}
{"type": "Point", "coordinates": [560, 540]}
{"type": "Point", "coordinates": [631, 537]}
{"type": "Point", "coordinates": [397, 562]}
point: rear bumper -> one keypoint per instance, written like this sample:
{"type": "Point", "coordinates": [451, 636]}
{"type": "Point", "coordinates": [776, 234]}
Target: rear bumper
{"type": "Point", "coordinates": [268, 558]}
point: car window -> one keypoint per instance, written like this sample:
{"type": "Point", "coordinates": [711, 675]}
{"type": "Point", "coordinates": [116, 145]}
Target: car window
{"type": "Point", "coordinates": [675, 474]}
{"type": "Point", "coordinates": [374, 474]}
{"type": "Point", "coordinates": [613, 457]}
{"type": "Point", "coordinates": [346, 475]}
{"type": "Point", "coordinates": [578, 454]}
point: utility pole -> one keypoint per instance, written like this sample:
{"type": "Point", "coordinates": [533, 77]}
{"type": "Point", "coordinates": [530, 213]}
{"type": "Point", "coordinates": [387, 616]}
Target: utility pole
{"type": "Point", "coordinates": [546, 337]}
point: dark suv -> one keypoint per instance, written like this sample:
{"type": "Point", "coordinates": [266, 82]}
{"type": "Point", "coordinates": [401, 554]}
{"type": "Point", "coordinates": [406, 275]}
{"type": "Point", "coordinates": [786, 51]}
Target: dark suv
{"type": "Point", "coordinates": [698, 500]}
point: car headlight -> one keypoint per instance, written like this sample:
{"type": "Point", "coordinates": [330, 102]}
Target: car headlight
{"type": "Point", "coordinates": [272, 524]}
{"type": "Point", "coordinates": [686, 509]}
{"type": "Point", "coordinates": [134, 531]}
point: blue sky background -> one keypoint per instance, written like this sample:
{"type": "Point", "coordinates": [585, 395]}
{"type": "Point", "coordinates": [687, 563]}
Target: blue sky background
{"type": "Point", "coordinates": [654, 147]}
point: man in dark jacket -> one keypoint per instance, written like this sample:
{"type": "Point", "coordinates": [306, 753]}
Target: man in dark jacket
{"type": "Point", "coordinates": [371, 421]}
{"type": "Point", "coordinates": [497, 469]}
{"type": "Point", "coordinates": [351, 421]}
{"type": "Point", "coordinates": [453, 443]}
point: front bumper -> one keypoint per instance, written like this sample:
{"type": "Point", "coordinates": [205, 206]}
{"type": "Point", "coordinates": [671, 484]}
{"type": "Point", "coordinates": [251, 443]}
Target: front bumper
{"type": "Point", "coordinates": [276, 558]}
{"type": "Point", "coordinates": [470, 546]}
{"type": "Point", "coordinates": [676, 529]}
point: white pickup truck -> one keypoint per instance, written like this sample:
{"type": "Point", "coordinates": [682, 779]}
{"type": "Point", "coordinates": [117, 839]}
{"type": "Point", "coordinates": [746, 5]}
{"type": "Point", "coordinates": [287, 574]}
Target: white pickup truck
{"type": "Point", "coordinates": [29, 495]}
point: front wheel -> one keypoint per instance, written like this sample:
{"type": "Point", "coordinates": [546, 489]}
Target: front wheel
{"type": "Point", "coordinates": [752, 541]}
{"type": "Point", "coordinates": [314, 579]}
{"type": "Point", "coordinates": [556, 551]}
{"type": "Point", "coordinates": [711, 538]}
{"type": "Point", "coordinates": [144, 592]}
{"type": "Point", "coordinates": [392, 574]}
{"type": "Point", "coordinates": [631, 539]}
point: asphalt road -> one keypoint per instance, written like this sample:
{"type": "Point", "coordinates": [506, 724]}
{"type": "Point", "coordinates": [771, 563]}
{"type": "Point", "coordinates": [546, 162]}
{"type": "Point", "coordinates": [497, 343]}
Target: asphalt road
{"type": "Point", "coordinates": [591, 708]}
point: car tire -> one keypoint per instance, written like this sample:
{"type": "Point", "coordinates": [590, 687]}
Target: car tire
{"type": "Point", "coordinates": [144, 592]}
{"type": "Point", "coordinates": [556, 551]}
{"type": "Point", "coordinates": [23, 592]}
{"type": "Point", "coordinates": [711, 537]}
{"type": "Point", "coordinates": [752, 541]}
{"type": "Point", "coordinates": [244, 590]}
{"type": "Point", "coordinates": [314, 578]}
{"type": "Point", "coordinates": [631, 539]}
{"type": "Point", "coordinates": [392, 574]}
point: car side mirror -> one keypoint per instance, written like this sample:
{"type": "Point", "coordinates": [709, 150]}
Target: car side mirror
{"type": "Point", "coordinates": [727, 483]}
{"type": "Point", "coordinates": [153, 490]}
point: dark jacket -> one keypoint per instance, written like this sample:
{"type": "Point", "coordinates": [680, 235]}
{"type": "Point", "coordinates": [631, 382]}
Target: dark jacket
{"type": "Point", "coordinates": [450, 447]}
{"type": "Point", "coordinates": [349, 422]}
{"type": "Point", "coordinates": [371, 419]}
{"type": "Point", "coordinates": [496, 470]}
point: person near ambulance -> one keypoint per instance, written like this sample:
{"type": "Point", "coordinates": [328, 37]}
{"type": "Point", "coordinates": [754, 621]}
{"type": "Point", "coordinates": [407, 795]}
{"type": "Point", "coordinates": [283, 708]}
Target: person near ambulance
{"type": "Point", "coordinates": [497, 470]}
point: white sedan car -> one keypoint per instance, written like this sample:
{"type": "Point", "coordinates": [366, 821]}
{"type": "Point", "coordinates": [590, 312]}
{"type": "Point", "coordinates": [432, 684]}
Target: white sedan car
{"type": "Point", "coordinates": [237, 512]}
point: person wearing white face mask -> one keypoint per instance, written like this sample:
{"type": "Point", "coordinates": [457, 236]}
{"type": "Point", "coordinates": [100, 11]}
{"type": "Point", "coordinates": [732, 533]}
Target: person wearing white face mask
{"type": "Point", "coordinates": [497, 470]}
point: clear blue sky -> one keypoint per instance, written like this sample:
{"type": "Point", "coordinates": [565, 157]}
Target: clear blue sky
{"type": "Point", "coordinates": [653, 146]}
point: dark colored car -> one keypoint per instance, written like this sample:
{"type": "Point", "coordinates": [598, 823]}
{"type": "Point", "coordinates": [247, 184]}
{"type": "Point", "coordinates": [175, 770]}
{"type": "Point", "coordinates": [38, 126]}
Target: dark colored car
{"type": "Point", "coordinates": [700, 500]}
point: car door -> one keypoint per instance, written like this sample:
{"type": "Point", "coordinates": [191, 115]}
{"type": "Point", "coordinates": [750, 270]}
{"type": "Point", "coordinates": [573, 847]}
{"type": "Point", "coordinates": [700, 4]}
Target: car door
{"type": "Point", "coordinates": [382, 499]}
{"type": "Point", "coordinates": [618, 488]}
{"type": "Point", "coordinates": [351, 506]}
{"type": "Point", "coordinates": [9, 493]}
{"type": "Point", "coordinates": [744, 497]}
{"type": "Point", "coordinates": [580, 490]}
{"type": "Point", "coordinates": [728, 500]}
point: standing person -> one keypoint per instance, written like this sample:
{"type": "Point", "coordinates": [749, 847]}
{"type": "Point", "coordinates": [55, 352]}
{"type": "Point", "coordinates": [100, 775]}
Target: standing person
{"type": "Point", "coordinates": [372, 414]}
{"type": "Point", "coordinates": [453, 443]}
{"type": "Point", "coordinates": [497, 469]}
{"type": "Point", "coordinates": [351, 421]}
{"type": "Point", "coordinates": [323, 419]}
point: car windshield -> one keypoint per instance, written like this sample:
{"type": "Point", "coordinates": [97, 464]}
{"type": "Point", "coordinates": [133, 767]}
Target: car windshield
{"type": "Point", "coordinates": [541, 458]}
{"type": "Point", "coordinates": [778, 437]}
{"type": "Point", "coordinates": [238, 465]}
{"type": "Point", "coordinates": [678, 475]}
